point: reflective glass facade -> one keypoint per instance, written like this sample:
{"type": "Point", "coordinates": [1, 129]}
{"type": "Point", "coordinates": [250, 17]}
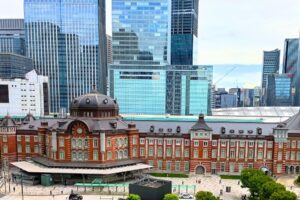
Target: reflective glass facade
{"type": "Point", "coordinates": [14, 65]}
{"type": "Point", "coordinates": [188, 89]}
{"type": "Point", "coordinates": [138, 89]}
{"type": "Point", "coordinates": [184, 30]}
{"type": "Point", "coordinates": [12, 36]}
{"type": "Point", "coordinates": [67, 42]}
{"type": "Point", "coordinates": [279, 90]}
{"type": "Point", "coordinates": [140, 32]}
{"type": "Point", "coordinates": [270, 65]}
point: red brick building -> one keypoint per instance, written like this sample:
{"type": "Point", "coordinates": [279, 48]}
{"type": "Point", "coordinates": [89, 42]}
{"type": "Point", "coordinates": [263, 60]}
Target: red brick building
{"type": "Point", "coordinates": [94, 136]}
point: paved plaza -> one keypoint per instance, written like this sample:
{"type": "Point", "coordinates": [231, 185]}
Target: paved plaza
{"type": "Point", "coordinates": [211, 183]}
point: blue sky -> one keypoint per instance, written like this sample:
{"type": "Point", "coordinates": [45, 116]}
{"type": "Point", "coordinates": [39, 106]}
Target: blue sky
{"type": "Point", "coordinates": [230, 31]}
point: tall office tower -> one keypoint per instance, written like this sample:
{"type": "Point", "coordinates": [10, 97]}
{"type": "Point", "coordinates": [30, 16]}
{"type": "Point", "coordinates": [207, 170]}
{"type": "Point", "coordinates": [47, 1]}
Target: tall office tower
{"type": "Point", "coordinates": [14, 65]}
{"type": "Point", "coordinates": [291, 65]}
{"type": "Point", "coordinates": [271, 61]}
{"type": "Point", "coordinates": [109, 49]}
{"type": "Point", "coordinates": [12, 36]}
{"type": "Point", "coordinates": [67, 41]}
{"type": "Point", "coordinates": [184, 30]}
{"type": "Point", "coordinates": [279, 90]}
{"type": "Point", "coordinates": [189, 89]}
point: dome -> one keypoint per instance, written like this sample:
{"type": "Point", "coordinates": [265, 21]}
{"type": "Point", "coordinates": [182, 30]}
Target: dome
{"type": "Point", "coordinates": [94, 104]}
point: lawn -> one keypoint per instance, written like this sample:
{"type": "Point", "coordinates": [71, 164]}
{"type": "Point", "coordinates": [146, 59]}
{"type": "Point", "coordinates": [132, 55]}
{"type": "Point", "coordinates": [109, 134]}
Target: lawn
{"type": "Point", "coordinates": [235, 177]}
{"type": "Point", "coordinates": [171, 175]}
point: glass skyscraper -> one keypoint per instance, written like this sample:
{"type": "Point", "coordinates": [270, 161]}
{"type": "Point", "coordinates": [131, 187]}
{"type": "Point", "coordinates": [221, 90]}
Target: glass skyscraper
{"type": "Point", "coordinates": [12, 36]}
{"type": "Point", "coordinates": [140, 32]}
{"type": "Point", "coordinates": [279, 90]}
{"type": "Point", "coordinates": [184, 30]}
{"type": "Point", "coordinates": [271, 61]}
{"type": "Point", "coordinates": [291, 65]}
{"type": "Point", "coordinates": [66, 40]}
{"type": "Point", "coordinates": [148, 37]}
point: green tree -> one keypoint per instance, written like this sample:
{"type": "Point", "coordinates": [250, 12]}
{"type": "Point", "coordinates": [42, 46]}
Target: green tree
{"type": "Point", "coordinates": [255, 183]}
{"type": "Point", "coordinates": [133, 197]}
{"type": "Point", "coordinates": [171, 197]}
{"type": "Point", "coordinates": [204, 195]}
{"type": "Point", "coordinates": [246, 174]}
{"type": "Point", "coordinates": [298, 179]}
{"type": "Point", "coordinates": [268, 188]}
{"type": "Point", "coordinates": [283, 195]}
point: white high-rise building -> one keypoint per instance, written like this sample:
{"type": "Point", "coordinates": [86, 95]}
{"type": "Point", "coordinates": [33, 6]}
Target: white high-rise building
{"type": "Point", "coordinates": [19, 97]}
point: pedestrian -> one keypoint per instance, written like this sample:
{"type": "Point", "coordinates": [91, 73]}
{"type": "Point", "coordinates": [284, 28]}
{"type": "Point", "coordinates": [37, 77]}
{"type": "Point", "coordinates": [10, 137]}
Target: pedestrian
{"type": "Point", "coordinates": [14, 189]}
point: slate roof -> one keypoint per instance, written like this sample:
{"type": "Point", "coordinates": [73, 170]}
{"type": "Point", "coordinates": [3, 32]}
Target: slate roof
{"type": "Point", "coordinates": [200, 124]}
{"type": "Point", "coordinates": [8, 122]}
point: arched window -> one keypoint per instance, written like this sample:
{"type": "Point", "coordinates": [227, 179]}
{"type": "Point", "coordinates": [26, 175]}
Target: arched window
{"type": "Point", "coordinates": [79, 143]}
{"type": "Point", "coordinates": [73, 143]}
{"type": "Point", "coordinates": [125, 153]}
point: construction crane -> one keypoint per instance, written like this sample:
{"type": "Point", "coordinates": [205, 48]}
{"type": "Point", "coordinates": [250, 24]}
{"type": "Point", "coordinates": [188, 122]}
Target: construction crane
{"type": "Point", "coordinates": [228, 72]}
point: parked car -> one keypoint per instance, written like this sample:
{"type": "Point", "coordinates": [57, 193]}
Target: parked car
{"type": "Point", "coordinates": [74, 196]}
{"type": "Point", "coordinates": [186, 196]}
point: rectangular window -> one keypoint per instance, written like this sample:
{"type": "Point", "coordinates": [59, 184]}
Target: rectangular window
{"type": "Point", "coordinates": [260, 155]}
{"type": "Point", "coordinates": [292, 155]}
{"type": "Point", "coordinates": [214, 143]}
{"type": "Point", "coordinates": [150, 151]}
{"type": "Point", "coordinates": [280, 145]}
{"type": "Point", "coordinates": [159, 164]}
{"type": "Point", "coordinates": [86, 143]}
{"type": "Point", "coordinates": [251, 143]}
{"type": "Point", "coordinates": [169, 152]}
{"type": "Point", "coordinates": [298, 155]}
{"type": "Point", "coordinates": [19, 148]}
{"type": "Point", "coordinates": [177, 154]}
{"type": "Point", "coordinates": [5, 149]}
{"type": "Point", "coordinates": [36, 148]}
{"type": "Point", "coordinates": [186, 166]}
{"type": "Point", "coordinates": [150, 162]}
{"type": "Point", "coordinates": [223, 153]}
{"type": "Point", "coordinates": [288, 144]}
{"type": "Point", "coordinates": [178, 142]}
{"type": "Point", "coordinates": [186, 142]}
{"type": "Point", "coordinates": [150, 141]}
{"type": "Point", "coordinates": [186, 153]}
{"type": "Point", "coordinates": [95, 143]}
{"type": "Point", "coordinates": [270, 144]}
{"type": "Point", "coordinates": [287, 155]}
{"type": "Point", "coordinates": [134, 152]}
{"type": "Point", "coordinates": [232, 151]}
{"type": "Point", "coordinates": [279, 155]}
{"type": "Point", "coordinates": [61, 155]}
{"type": "Point", "coordinates": [205, 154]}
{"type": "Point", "coordinates": [4, 138]}
{"type": "Point", "coordinates": [242, 154]}
{"type": "Point", "coordinates": [293, 144]}
{"type": "Point", "coordinates": [250, 154]}
{"type": "Point", "coordinates": [108, 142]}
{"type": "Point", "coordinates": [28, 148]}
{"type": "Point", "coordinates": [95, 155]}
{"type": "Point", "coordinates": [142, 141]}
{"type": "Point", "coordinates": [214, 153]}
{"type": "Point", "coordinates": [223, 143]}
{"type": "Point", "coordinates": [160, 141]}
{"type": "Point", "coordinates": [279, 168]}
{"type": "Point", "coordinates": [231, 167]}
{"type": "Point", "coordinates": [168, 168]}
{"type": "Point", "coordinates": [196, 143]}
{"type": "Point", "coordinates": [27, 138]}
{"type": "Point", "coordinates": [159, 152]}
{"type": "Point", "coordinates": [19, 138]}
{"type": "Point", "coordinates": [298, 144]}
{"type": "Point", "coordinates": [109, 155]}
{"type": "Point", "coordinates": [269, 155]}
{"type": "Point", "coordinates": [134, 141]}
{"type": "Point", "coordinates": [196, 153]}
{"type": "Point", "coordinates": [250, 165]}
{"type": "Point", "coordinates": [35, 138]}
{"type": "Point", "coordinates": [177, 166]}
{"type": "Point", "coordinates": [241, 166]}
{"type": "Point", "coordinates": [260, 143]}
{"type": "Point", "coordinates": [61, 142]}
{"type": "Point", "coordinates": [142, 151]}
{"type": "Point", "coordinates": [242, 143]}
{"type": "Point", "coordinates": [205, 143]}
{"type": "Point", "coordinates": [169, 142]}
{"type": "Point", "coordinates": [222, 167]}
{"type": "Point", "coordinates": [232, 144]}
